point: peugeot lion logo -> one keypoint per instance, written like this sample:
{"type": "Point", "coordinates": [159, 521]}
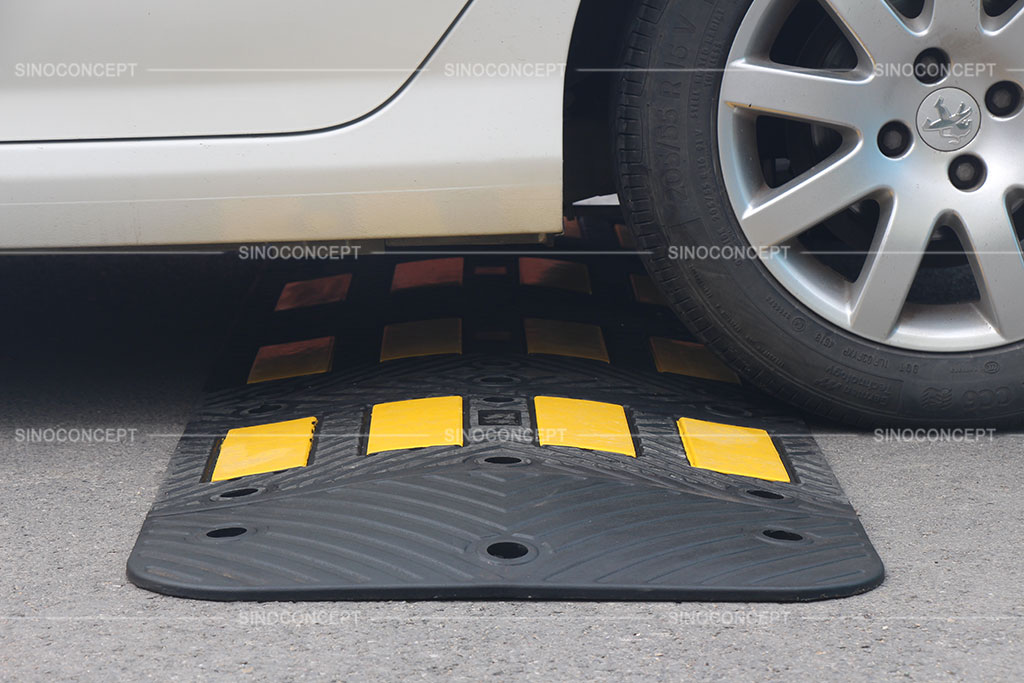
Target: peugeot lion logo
{"type": "Point", "coordinates": [956, 126]}
{"type": "Point", "coordinates": [947, 129]}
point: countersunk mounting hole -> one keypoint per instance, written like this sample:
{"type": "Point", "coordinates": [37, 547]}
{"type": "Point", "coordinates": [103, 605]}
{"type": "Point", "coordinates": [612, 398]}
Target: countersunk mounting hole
{"type": "Point", "coordinates": [239, 493]}
{"type": "Point", "coordinates": [769, 495]}
{"type": "Point", "coordinates": [503, 460]}
{"type": "Point", "coordinates": [227, 532]}
{"type": "Point", "coordinates": [780, 535]}
{"type": "Point", "coordinates": [264, 409]}
{"type": "Point", "coordinates": [1004, 99]}
{"type": "Point", "coordinates": [507, 550]}
{"type": "Point", "coordinates": [498, 380]}
{"type": "Point", "coordinates": [895, 139]}
{"type": "Point", "coordinates": [967, 173]}
{"type": "Point", "coordinates": [932, 66]}
{"type": "Point", "coordinates": [728, 411]}
{"type": "Point", "coordinates": [498, 399]}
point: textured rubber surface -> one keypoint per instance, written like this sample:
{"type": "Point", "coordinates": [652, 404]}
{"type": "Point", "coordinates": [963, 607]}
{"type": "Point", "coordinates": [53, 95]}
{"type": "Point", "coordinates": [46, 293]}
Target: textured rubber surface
{"type": "Point", "coordinates": [418, 523]}
{"type": "Point", "coordinates": [500, 516]}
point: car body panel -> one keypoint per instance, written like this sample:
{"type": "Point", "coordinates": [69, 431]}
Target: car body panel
{"type": "Point", "coordinates": [153, 68]}
{"type": "Point", "coordinates": [449, 155]}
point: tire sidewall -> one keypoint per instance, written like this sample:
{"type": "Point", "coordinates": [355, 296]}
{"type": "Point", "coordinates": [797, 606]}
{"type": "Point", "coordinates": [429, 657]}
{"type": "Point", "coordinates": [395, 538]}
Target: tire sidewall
{"type": "Point", "coordinates": [673, 194]}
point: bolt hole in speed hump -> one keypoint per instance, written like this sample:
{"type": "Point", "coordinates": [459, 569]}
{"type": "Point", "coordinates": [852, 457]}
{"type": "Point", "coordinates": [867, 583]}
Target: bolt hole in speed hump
{"type": "Point", "coordinates": [507, 550]}
{"type": "Point", "coordinates": [498, 380]}
{"type": "Point", "coordinates": [767, 495]}
{"type": "Point", "coordinates": [227, 532]}
{"type": "Point", "coordinates": [238, 493]}
{"type": "Point", "coordinates": [264, 409]}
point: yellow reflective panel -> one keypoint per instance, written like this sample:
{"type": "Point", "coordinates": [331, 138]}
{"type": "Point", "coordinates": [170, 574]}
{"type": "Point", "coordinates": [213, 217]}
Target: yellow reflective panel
{"type": "Point", "coordinates": [583, 424]}
{"type": "Point", "coordinates": [559, 338]}
{"type": "Point", "coordinates": [692, 360]}
{"type": "Point", "coordinates": [264, 448]}
{"type": "Point", "coordinates": [645, 291]}
{"type": "Point", "coordinates": [546, 272]}
{"type": "Point", "coordinates": [421, 338]}
{"type": "Point", "coordinates": [295, 359]}
{"type": "Point", "coordinates": [732, 450]}
{"type": "Point", "coordinates": [417, 423]}
{"type": "Point", "coordinates": [324, 290]}
{"type": "Point", "coordinates": [429, 273]}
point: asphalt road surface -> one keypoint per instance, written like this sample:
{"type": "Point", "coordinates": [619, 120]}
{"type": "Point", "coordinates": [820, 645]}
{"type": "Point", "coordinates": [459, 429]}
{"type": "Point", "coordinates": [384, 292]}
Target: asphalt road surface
{"type": "Point", "coordinates": [125, 342]}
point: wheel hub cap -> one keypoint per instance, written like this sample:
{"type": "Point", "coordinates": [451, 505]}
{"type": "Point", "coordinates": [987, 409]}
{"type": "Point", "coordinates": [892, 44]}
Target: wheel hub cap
{"type": "Point", "coordinates": [949, 119]}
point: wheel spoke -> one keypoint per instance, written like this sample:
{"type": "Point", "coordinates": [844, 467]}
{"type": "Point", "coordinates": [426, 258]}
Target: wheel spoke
{"type": "Point", "coordinates": [791, 92]}
{"type": "Point", "coordinates": [880, 293]}
{"type": "Point", "coordinates": [873, 24]}
{"type": "Point", "coordinates": [998, 264]}
{"type": "Point", "coordinates": [1007, 25]}
{"type": "Point", "coordinates": [953, 17]}
{"type": "Point", "coordinates": [785, 212]}
{"type": "Point", "coordinates": [900, 138]}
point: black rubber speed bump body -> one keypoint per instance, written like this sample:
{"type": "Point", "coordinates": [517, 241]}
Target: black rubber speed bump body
{"type": "Point", "coordinates": [491, 425]}
{"type": "Point", "coordinates": [485, 476]}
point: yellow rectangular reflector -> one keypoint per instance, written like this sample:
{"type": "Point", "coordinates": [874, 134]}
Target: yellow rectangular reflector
{"type": "Point", "coordinates": [645, 291]}
{"type": "Point", "coordinates": [421, 338]}
{"type": "Point", "coordinates": [546, 272]}
{"type": "Point", "coordinates": [732, 450]}
{"type": "Point", "coordinates": [430, 273]}
{"type": "Point", "coordinates": [295, 359]}
{"type": "Point", "coordinates": [264, 448]}
{"type": "Point", "coordinates": [417, 423]}
{"type": "Point", "coordinates": [324, 290]}
{"type": "Point", "coordinates": [583, 424]}
{"type": "Point", "coordinates": [692, 360]}
{"type": "Point", "coordinates": [559, 338]}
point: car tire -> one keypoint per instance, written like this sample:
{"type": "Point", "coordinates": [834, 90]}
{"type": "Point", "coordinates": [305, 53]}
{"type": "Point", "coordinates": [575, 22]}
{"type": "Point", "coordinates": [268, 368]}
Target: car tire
{"type": "Point", "coordinates": [674, 196]}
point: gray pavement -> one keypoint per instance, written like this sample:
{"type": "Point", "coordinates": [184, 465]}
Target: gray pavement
{"type": "Point", "coordinates": [126, 342]}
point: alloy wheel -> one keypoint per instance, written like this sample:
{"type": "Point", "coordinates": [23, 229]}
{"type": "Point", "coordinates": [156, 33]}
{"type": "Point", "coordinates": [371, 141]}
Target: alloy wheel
{"type": "Point", "coordinates": [881, 169]}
